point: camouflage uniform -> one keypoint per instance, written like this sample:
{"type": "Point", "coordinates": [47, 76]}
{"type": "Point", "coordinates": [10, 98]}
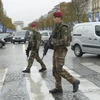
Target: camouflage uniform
{"type": "Point", "coordinates": [59, 54]}
{"type": "Point", "coordinates": [35, 44]}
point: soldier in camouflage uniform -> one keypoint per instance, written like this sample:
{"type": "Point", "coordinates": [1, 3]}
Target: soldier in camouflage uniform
{"type": "Point", "coordinates": [35, 44]}
{"type": "Point", "coordinates": [60, 42]}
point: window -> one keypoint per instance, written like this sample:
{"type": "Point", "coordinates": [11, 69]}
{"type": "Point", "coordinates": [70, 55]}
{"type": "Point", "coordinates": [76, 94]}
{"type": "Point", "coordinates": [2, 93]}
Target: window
{"type": "Point", "coordinates": [97, 30]}
{"type": "Point", "coordinates": [50, 33]}
{"type": "Point", "coordinates": [44, 34]}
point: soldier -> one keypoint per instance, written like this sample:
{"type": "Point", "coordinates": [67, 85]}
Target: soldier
{"type": "Point", "coordinates": [35, 44]}
{"type": "Point", "coordinates": [60, 50]}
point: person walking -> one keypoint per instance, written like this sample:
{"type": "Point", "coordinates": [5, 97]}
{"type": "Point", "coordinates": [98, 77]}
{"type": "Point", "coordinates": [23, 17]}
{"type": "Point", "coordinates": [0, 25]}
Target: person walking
{"type": "Point", "coordinates": [60, 42]}
{"type": "Point", "coordinates": [35, 44]}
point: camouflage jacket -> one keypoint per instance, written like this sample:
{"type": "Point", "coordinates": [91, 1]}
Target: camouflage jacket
{"type": "Point", "coordinates": [62, 37]}
{"type": "Point", "coordinates": [35, 41]}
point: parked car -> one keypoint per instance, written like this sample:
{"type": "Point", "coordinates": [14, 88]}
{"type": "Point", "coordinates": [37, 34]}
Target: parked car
{"type": "Point", "coordinates": [2, 42]}
{"type": "Point", "coordinates": [21, 36]}
{"type": "Point", "coordinates": [6, 37]}
{"type": "Point", "coordinates": [86, 38]}
{"type": "Point", "coordinates": [45, 34]}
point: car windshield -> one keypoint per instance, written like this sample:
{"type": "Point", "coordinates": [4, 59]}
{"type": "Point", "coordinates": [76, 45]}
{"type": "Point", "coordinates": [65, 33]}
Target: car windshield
{"type": "Point", "coordinates": [50, 32]}
{"type": "Point", "coordinates": [44, 33]}
{"type": "Point", "coordinates": [3, 35]}
{"type": "Point", "coordinates": [20, 33]}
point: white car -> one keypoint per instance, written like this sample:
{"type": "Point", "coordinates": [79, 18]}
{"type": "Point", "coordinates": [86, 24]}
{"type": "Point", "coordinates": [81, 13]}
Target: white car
{"type": "Point", "coordinates": [86, 38]}
{"type": "Point", "coordinates": [45, 34]}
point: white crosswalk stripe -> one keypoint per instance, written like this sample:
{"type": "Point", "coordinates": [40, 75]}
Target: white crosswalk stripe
{"type": "Point", "coordinates": [2, 77]}
{"type": "Point", "coordinates": [92, 66]}
{"type": "Point", "coordinates": [36, 86]}
{"type": "Point", "coordinates": [89, 89]}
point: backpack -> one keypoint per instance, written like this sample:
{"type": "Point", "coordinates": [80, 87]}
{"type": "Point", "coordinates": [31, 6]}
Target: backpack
{"type": "Point", "coordinates": [68, 36]}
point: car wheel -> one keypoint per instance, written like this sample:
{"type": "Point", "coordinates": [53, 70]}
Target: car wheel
{"type": "Point", "coordinates": [24, 41]}
{"type": "Point", "coordinates": [42, 42]}
{"type": "Point", "coordinates": [78, 51]}
{"type": "Point", "coordinates": [1, 45]}
{"type": "Point", "coordinates": [19, 42]}
{"type": "Point", "coordinates": [98, 55]}
{"type": "Point", "coordinates": [13, 42]}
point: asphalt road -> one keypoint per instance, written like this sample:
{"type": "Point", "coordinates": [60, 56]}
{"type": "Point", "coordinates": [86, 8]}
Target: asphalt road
{"type": "Point", "coordinates": [14, 85]}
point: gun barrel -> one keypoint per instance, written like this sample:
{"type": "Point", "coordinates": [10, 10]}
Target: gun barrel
{"type": "Point", "coordinates": [42, 57]}
{"type": "Point", "coordinates": [27, 53]}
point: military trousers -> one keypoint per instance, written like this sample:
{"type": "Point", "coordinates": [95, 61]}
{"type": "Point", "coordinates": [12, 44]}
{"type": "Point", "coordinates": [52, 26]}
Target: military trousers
{"type": "Point", "coordinates": [58, 70]}
{"type": "Point", "coordinates": [33, 56]}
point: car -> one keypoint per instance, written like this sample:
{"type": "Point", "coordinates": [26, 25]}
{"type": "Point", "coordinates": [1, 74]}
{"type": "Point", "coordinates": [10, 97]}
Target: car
{"type": "Point", "coordinates": [45, 35]}
{"type": "Point", "coordinates": [86, 38]}
{"type": "Point", "coordinates": [2, 43]}
{"type": "Point", "coordinates": [6, 37]}
{"type": "Point", "coordinates": [21, 36]}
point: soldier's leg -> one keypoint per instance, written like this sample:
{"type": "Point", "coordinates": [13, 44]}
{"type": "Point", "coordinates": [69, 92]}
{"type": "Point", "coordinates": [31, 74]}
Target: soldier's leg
{"type": "Point", "coordinates": [41, 63]}
{"type": "Point", "coordinates": [30, 62]}
{"type": "Point", "coordinates": [61, 53]}
{"type": "Point", "coordinates": [58, 85]}
{"type": "Point", "coordinates": [55, 73]}
{"type": "Point", "coordinates": [31, 59]}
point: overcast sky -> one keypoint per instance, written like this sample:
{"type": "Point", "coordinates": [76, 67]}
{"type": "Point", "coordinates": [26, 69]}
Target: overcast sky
{"type": "Point", "coordinates": [28, 10]}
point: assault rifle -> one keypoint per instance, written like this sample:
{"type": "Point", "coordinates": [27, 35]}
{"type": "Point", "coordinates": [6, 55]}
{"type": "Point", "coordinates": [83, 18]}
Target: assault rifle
{"type": "Point", "coordinates": [48, 44]}
{"type": "Point", "coordinates": [28, 50]}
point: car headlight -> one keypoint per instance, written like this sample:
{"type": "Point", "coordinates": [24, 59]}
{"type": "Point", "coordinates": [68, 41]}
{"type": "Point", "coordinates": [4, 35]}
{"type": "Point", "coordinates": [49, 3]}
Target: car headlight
{"type": "Point", "coordinates": [22, 38]}
{"type": "Point", "coordinates": [13, 38]}
{"type": "Point", "coordinates": [3, 40]}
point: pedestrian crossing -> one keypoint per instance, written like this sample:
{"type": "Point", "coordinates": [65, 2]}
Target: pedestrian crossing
{"type": "Point", "coordinates": [36, 86]}
{"type": "Point", "coordinates": [89, 89]}
{"type": "Point", "coordinates": [38, 90]}
{"type": "Point", "coordinates": [2, 77]}
{"type": "Point", "coordinates": [92, 66]}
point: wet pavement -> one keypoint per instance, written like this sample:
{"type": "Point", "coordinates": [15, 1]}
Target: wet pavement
{"type": "Point", "coordinates": [15, 85]}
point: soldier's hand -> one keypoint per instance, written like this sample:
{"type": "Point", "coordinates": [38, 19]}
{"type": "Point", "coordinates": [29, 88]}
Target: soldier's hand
{"type": "Point", "coordinates": [52, 43]}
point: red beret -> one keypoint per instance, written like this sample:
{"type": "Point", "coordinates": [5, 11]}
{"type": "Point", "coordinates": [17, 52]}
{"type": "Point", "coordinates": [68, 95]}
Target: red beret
{"type": "Point", "coordinates": [57, 14]}
{"type": "Point", "coordinates": [33, 25]}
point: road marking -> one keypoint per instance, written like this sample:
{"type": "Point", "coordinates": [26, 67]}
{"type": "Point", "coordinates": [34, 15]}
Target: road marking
{"type": "Point", "coordinates": [92, 66]}
{"type": "Point", "coordinates": [2, 77]}
{"type": "Point", "coordinates": [88, 88]}
{"type": "Point", "coordinates": [36, 86]}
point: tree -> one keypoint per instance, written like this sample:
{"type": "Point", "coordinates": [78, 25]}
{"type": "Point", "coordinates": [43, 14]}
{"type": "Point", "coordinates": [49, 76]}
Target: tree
{"type": "Point", "coordinates": [1, 11]}
{"type": "Point", "coordinates": [5, 21]}
{"type": "Point", "coordinates": [74, 11]}
{"type": "Point", "coordinates": [67, 10]}
{"type": "Point", "coordinates": [80, 8]}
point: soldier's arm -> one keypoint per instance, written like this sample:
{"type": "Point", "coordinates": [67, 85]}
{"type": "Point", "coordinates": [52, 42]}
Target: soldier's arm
{"type": "Point", "coordinates": [38, 41]}
{"type": "Point", "coordinates": [65, 35]}
{"type": "Point", "coordinates": [32, 42]}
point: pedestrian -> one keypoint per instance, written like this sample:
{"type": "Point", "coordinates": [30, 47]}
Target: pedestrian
{"type": "Point", "coordinates": [59, 43]}
{"type": "Point", "coordinates": [35, 44]}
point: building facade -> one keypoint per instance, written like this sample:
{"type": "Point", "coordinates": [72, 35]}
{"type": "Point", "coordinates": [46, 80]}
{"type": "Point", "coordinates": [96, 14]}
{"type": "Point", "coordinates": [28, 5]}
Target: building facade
{"type": "Point", "coordinates": [90, 6]}
{"type": "Point", "coordinates": [96, 10]}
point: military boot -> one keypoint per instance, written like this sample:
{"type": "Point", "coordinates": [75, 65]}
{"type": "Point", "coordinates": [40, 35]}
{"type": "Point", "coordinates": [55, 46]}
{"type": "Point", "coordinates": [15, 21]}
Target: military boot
{"type": "Point", "coordinates": [26, 71]}
{"type": "Point", "coordinates": [55, 90]}
{"type": "Point", "coordinates": [42, 69]}
{"type": "Point", "coordinates": [76, 86]}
